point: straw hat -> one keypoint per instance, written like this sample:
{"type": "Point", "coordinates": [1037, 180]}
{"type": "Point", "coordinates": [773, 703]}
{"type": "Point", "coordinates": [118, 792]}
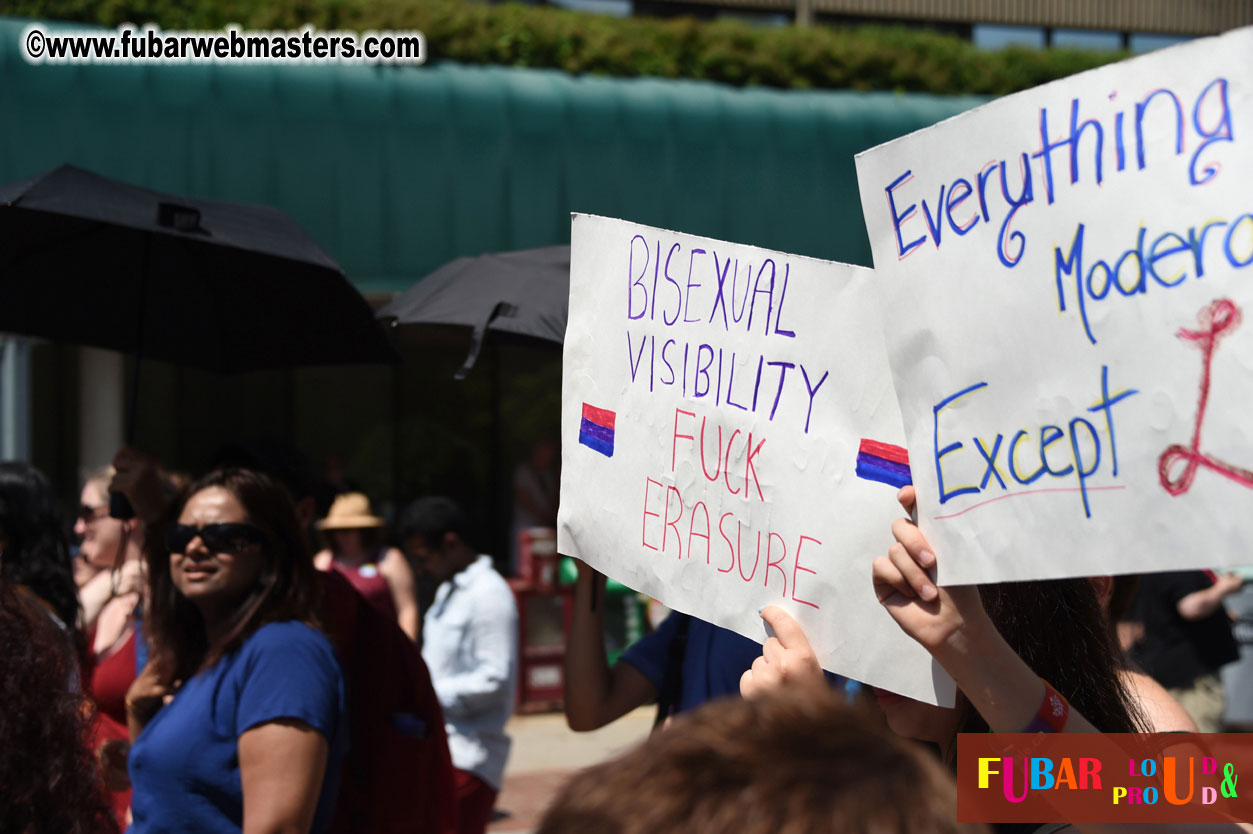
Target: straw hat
{"type": "Point", "coordinates": [350, 511]}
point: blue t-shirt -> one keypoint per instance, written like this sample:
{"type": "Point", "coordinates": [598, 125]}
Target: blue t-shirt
{"type": "Point", "coordinates": [184, 767]}
{"type": "Point", "coordinates": [713, 663]}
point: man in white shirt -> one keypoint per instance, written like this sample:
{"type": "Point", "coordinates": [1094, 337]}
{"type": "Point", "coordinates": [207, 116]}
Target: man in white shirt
{"type": "Point", "coordinates": [470, 644]}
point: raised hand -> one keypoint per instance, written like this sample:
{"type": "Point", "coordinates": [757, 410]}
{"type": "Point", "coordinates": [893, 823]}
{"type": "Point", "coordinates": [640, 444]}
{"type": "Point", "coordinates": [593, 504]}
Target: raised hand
{"type": "Point", "coordinates": [146, 695]}
{"type": "Point", "coordinates": [941, 619]}
{"type": "Point", "coordinates": [138, 477]}
{"type": "Point", "coordinates": [787, 660]}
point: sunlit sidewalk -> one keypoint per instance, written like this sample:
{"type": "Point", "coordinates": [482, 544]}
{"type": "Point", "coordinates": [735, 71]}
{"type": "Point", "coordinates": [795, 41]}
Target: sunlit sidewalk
{"type": "Point", "coordinates": [545, 752]}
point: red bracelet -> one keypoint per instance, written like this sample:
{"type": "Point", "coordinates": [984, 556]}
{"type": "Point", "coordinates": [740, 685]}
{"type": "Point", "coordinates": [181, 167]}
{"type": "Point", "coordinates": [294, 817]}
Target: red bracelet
{"type": "Point", "coordinates": [1054, 710]}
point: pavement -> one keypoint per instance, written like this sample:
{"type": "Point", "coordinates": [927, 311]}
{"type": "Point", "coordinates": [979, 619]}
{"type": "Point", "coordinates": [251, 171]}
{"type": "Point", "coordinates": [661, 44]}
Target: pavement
{"type": "Point", "coordinates": [546, 752]}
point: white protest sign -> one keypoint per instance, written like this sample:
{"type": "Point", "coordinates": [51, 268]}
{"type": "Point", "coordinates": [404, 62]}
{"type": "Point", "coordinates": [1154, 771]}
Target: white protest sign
{"type": "Point", "coordinates": [715, 400]}
{"type": "Point", "coordinates": [1062, 275]}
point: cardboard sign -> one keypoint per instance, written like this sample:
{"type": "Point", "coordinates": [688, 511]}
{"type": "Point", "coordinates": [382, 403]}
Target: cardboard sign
{"type": "Point", "coordinates": [731, 440]}
{"type": "Point", "coordinates": [1063, 275]}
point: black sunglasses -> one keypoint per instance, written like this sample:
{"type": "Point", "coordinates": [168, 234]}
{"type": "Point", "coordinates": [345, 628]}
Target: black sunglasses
{"type": "Point", "coordinates": [89, 514]}
{"type": "Point", "coordinates": [219, 538]}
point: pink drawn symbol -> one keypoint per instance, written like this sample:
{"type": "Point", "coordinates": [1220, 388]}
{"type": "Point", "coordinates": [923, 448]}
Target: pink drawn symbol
{"type": "Point", "coordinates": [1215, 320]}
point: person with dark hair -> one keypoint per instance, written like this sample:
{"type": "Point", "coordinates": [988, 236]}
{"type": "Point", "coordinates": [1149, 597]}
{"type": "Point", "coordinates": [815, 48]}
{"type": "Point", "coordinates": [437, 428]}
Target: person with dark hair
{"type": "Point", "coordinates": [1026, 656]}
{"type": "Point", "coordinates": [397, 776]}
{"type": "Point", "coordinates": [470, 644]}
{"type": "Point", "coordinates": [355, 547]}
{"type": "Point", "coordinates": [1162, 713]}
{"type": "Point", "coordinates": [800, 763]}
{"type": "Point", "coordinates": [49, 779]}
{"type": "Point", "coordinates": [34, 552]}
{"type": "Point", "coordinates": [238, 719]}
{"type": "Point", "coordinates": [1007, 646]}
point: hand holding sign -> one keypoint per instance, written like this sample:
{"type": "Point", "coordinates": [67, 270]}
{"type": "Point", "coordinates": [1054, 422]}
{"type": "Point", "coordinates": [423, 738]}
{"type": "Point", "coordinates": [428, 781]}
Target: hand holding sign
{"type": "Point", "coordinates": [1057, 270]}
{"type": "Point", "coordinates": [730, 428]}
{"type": "Point", "coordinates": [787, 660]}
{"type": "Point", "coordinates": [939, 619]}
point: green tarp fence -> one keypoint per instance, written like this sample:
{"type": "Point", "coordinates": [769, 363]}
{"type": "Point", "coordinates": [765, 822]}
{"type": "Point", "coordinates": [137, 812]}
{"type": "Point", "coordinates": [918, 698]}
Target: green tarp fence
{"type": "Point", "coordinates": [396, 170]}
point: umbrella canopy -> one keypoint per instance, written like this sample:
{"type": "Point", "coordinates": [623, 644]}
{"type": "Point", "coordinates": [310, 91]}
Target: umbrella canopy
{"type": "Point", "coordinates": [219, 286]}
{"type": "Point", "coordinates": [525, 293]}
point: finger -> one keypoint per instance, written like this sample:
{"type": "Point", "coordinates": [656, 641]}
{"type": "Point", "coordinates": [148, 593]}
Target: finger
{"type": "Point", "coordinates": [755, 681]}
{"type": "Point", "coordinates": [772, 650]}
{"type": "Point", "coordinates": [908, 534]}
{"type": "Point", "coordinates": [747, 687]}
{"type": "Point", "coordinates": [765, 677]}
{"type": "Point", "coordinates": [787, 630]}
{"type": "Point", "coordinates": [919, 582]}
{"type": "Point", "coordinates": [908, 497]}
{"type": "Point", "coordinates": [888, 581]}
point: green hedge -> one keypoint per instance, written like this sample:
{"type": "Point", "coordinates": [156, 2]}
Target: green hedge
{"type": "Point", "coordinates": [861, 58]}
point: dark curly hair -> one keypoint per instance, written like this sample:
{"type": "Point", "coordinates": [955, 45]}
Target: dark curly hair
{"type": "Point", "coordinates": [286, 588]}
{"type": "Point", "coordinates": [36, 551]}
{"type": "Point", "coordinates": [54, 784]}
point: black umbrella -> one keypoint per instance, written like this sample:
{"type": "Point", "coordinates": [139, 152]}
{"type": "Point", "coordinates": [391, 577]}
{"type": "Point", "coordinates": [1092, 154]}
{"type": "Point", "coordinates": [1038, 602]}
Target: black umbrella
{"type": "Point", "coordinates": [524, 293]}
{"type": "Point", "coordinates": [220, 286]}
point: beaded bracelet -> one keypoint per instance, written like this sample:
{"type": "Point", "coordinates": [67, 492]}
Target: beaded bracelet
{"type": "Point", "coordinates": [1053, 712]}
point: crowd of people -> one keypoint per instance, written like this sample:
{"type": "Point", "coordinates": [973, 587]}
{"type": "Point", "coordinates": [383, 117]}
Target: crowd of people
{"type": "Point", "coordinates": [202, 666]}
{"type": "Point", "coordinates": [197, 667]}
{"type": "Point", "coordinates": [1043, 656]}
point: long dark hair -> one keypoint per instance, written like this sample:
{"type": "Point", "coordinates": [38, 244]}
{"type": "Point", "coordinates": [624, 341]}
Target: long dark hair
{"type": "Point", "coordinates": [36, 550]}
{"type": "Point", "coordinates": [57, 785]}
{"type": "Point", "coordinates": [1058, 628]}
{"type": "Point", "coordinates": [285, 589]}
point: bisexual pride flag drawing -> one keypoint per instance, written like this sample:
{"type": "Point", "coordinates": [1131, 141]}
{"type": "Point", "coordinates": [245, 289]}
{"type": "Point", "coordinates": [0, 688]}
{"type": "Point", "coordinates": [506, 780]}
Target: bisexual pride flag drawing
{"type": "Point", "coordinates": [596, 429]}
{"type": "Point", "coordinates": [883, 462]}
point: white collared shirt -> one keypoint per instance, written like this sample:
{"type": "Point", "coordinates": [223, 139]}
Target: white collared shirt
{"type": "Point", "coordinates": [470, 645]}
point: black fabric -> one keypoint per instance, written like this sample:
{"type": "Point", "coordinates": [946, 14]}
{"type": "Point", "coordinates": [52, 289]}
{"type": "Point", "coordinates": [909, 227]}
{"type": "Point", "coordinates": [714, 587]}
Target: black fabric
{"type": "Point", "coordinates": [221, 286]}
{"type": "Point", "coordinates": [523, 294]}
{"type": "Point", "coordinates": [672, 681]}
{"type": "Point", "coordinates": [1176, 651]}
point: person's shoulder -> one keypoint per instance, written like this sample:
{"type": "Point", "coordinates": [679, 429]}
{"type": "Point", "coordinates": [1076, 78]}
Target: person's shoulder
{"type": "Point", "coordinates": [1163, 712]}
{"type": "Point", "coordinates": [288, 650]}
{"type": "Point", "coordinates": [500, 596]}
{"type": "Point", "coordinates": [482, 574]}
{"type": "Point", "coordinates": [287, 635]}
{"type": "Point", "coordinates": [392, 560]}
{"type": "Point", "coordinates": [727, 647]}
{"type": "Point", "coordinates": [717, 635]}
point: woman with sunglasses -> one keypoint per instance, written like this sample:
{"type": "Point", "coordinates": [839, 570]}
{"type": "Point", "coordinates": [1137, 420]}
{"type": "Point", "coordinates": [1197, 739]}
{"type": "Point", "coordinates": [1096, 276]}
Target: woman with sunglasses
{"type": "Point", "coordinates": [238, 719]}
{"type": "Point", "coordinates": [111, 552]}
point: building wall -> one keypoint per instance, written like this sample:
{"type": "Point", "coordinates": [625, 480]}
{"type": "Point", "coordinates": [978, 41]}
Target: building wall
{"type": "Point", "coordinates": [396, 170]}
{"type": "Point", "coordinates": [1168, 17]}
